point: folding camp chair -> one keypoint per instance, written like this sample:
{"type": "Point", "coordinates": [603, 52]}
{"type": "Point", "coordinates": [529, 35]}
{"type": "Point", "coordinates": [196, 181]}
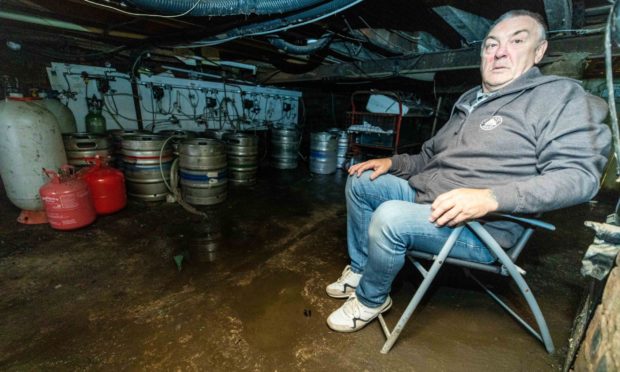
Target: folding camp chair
{"type": "Point", "coordinates": [503, 266]}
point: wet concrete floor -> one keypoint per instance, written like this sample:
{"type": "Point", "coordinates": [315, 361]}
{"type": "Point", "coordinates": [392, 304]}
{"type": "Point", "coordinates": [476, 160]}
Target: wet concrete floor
{"type": "Point", "coordinates": [110, 296]}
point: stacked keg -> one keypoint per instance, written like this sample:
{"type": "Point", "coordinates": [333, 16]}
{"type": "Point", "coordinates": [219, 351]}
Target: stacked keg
{"type": "Point", "coordinates": [83, 148]}
{"type": "Point", "coordinates": [178, 136]}
{"type": "Point", "coordinates": [242, 150]}
{"type": "Point", "coordinates": [147, 160]}
{"type": "Point", "coordinates": [202, 169]}
{"type": "Point", "coordinates": [284, 148]}
{"type": "Point", "coordinates": [116, 137]}
{"type": "Point", "coordinates": [343, 147]}
{"type": "Point", "coordinates": [323, 152]}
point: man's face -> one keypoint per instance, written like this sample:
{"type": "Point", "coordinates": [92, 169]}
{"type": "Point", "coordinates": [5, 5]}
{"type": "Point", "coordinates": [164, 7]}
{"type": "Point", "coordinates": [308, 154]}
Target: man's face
{"type": "Point", "coordinates": [509, 50]}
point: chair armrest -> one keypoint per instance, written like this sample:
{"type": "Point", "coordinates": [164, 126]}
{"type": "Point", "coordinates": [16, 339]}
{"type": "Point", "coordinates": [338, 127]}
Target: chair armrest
{"type": "Point", "coordinates": [529, 221]}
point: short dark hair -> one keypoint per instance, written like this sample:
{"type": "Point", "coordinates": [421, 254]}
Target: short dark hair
{"type": "Point", "coordinates": [524, 13]}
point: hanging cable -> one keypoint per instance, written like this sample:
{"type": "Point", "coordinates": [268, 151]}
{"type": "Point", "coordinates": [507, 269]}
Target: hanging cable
{"type": "Point", "coordinates": [145, 14]}
{"type": "Point", "coordinates": [112, 115]}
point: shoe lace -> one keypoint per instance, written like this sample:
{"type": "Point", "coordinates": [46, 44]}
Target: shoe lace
{"type": "Point", "coordinates": [352, 307]}
{"type": "Point", "coordinates": [345, 274]}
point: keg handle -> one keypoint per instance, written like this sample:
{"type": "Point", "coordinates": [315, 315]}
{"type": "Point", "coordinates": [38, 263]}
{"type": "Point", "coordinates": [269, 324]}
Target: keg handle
{"type": "Point", "coordinates": [87, 145]}
{"type": "Point", "coordinates": [233, 140]}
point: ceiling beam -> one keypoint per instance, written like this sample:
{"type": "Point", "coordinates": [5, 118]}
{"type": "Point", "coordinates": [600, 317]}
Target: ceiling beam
{"type": "Point", "coordinates": [457, 59]}
{"type": "Point", "coordinates": [63, 25]}
{"type": "Point", "coordinates": [470, 26]}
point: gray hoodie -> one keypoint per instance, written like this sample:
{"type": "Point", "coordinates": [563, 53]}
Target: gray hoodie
{"type": "Point", "coordinates": [539, 144]}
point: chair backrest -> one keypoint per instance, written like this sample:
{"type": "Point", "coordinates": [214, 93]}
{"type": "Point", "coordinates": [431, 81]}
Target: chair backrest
{"type": "Point", "coordinates": [516, 249]}
{"type": "Point", "coordinates": [530, 225]}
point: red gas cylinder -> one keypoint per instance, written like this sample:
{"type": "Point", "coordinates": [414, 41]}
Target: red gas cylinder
{"type": "Point", "coordinates": [67, 202]}
{"type": "Point", "coordinates": [107, 187]}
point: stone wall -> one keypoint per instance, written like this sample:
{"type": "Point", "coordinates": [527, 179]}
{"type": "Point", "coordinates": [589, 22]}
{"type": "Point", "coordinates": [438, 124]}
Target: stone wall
{"type": "Point", "coordinates": [600, 350]}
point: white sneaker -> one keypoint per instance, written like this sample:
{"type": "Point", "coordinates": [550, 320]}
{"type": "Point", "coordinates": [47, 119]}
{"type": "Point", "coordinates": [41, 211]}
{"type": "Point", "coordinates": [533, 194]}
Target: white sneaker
{"type": "Point", "coordinates": [353, 315]}
{"type": "Point", "coordinates": [345, 285]}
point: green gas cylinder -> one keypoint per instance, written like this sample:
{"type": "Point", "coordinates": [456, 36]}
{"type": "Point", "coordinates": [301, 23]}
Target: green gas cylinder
{"type": "Point", "coordinates": [95, 122]}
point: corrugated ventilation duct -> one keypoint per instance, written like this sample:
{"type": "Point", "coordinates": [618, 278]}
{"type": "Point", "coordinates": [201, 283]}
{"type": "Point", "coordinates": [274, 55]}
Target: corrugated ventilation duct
{"type": "Point", "coordinates": [224, 7]}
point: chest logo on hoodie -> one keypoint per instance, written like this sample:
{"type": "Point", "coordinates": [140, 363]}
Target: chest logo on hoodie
{"type": "Point", "coordinates": [491, 123]}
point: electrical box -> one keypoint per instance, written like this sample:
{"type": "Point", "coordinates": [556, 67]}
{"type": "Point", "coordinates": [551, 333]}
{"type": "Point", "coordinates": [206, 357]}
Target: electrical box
{"type": "Point", "coordinates": [168, 102]}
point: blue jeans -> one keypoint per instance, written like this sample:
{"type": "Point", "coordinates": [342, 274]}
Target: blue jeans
{"type": "Point", "coordinates": [383, 222]}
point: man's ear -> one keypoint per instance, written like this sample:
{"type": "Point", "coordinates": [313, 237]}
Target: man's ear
{"type": "Point", "coordinates": [540, 51]}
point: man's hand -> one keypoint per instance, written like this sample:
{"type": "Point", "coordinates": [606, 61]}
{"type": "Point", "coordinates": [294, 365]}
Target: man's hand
{"type": "Point", "coordinates": [459, 205]}
{"type": "Point", "coordinates": [379, 166]}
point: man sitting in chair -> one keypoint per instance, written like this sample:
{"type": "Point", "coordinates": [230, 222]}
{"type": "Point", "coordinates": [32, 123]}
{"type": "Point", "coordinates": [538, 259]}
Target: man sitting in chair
{"type": "Point", "coordinates": [523, 142]}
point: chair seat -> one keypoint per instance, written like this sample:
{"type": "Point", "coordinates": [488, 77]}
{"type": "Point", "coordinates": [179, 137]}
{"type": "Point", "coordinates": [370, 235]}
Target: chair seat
{"type": "Point", "coordinates": [493, 267]}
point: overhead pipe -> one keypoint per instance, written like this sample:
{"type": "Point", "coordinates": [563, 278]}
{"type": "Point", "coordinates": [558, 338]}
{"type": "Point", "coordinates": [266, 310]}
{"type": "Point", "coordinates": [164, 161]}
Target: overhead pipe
{"type": "Point", "coordinates": [280, 24]}
{"type": "Point", "coordinates": [295, 49]}
{"type": "Point", "coordinates": [224, 7]}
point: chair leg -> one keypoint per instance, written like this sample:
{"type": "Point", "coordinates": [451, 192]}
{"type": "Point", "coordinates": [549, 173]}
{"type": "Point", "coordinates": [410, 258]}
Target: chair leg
{"type": "Point", "coordinates": [417, 297]}
{"type": "Point", "coordinates": [544, 336]}
{"type": "Point", "coordinates": [508, 309]}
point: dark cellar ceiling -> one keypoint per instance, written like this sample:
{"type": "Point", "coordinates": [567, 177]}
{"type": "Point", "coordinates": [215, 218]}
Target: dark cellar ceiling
{"type": "Point", "coordinates": [368, 33]}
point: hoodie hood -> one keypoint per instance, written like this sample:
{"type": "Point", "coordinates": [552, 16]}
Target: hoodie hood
{"type": "Point", "coordinates": [532, 78]}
